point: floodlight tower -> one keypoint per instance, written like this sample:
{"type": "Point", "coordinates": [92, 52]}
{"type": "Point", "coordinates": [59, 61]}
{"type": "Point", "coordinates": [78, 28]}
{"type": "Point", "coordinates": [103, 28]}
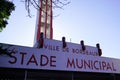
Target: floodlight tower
{"type": "Point", "coordinates": [44, 20]}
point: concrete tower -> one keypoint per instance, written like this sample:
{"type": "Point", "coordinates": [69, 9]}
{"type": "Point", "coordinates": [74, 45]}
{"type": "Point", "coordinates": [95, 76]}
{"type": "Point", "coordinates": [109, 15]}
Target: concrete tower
{"type": "Point", "coordinates": [44, 20]}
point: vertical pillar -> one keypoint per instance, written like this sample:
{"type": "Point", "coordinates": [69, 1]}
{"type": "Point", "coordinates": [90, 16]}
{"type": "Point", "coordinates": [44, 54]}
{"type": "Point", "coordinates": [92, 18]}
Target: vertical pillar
{"type": "Point", "coordinates": [44, 21]}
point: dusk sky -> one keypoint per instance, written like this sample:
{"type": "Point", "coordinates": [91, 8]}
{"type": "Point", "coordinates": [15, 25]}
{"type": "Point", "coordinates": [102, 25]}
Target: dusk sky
{"type": "Point", "coordinates": [94, 21]}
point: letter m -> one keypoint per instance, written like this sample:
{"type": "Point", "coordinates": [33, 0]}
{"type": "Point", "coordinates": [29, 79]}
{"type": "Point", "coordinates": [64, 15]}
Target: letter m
{"type": "Point", "coordinates": [70, 63]}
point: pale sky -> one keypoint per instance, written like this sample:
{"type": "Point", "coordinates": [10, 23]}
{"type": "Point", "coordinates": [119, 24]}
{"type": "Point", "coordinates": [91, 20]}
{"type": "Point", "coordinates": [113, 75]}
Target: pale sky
{"type": "Point", "coordinates": [94, 21]}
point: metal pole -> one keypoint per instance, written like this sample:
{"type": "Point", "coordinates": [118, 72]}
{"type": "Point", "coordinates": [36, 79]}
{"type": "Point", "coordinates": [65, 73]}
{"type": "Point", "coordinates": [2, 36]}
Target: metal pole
{"type": "Point", "coordinates": [114, 77]}
{"type": "Point", "coordinates": [25, 78]}
{"type": "Point", "coordinates": [72, 76]}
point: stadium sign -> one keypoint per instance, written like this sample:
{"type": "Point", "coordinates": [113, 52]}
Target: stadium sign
{"type": "Point", "coordinates": [53, 57]}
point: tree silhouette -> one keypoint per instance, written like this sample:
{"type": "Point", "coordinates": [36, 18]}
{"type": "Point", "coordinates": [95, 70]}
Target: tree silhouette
{"type": "Point", "coordinates": [6, 7]}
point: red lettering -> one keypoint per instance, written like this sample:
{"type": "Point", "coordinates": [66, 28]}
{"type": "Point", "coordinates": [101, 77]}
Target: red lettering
{"type": "Point", "coordinates": [100, 65]}
{"type": "Point", "coordinates": [51, 47]}
{"type": "Point", "coordinates": [109, 67]}
{"type": "Point", "coordinates": [44, 60]}
{"type": "Point", "coordinates": [22, 59]}
{"type": "Point", "coordinates": [75, 51]}
{"type": "Point", "coordinates": [103, 65]}
{"type": "Point", "coordinates": [57, 48]}
{"type": "Point", "coordinates": [71, 64]}
{"type": "Point", "coordinates": [113, 67]}
{"type": "Point", "coordinates": [87, 64]}
{"type": "Point", "coordinates": [52, 61]}
{"type": "Point", "coordinates": [78, 65]}
{"type": "Point", "coordinates": [96, 62]}
{"type": "Point", "coordinates": [32, 60]}
{"type": "Point", "coordinates": [13, 60]}
{"type": "Point", "coordinates": [65, 49]}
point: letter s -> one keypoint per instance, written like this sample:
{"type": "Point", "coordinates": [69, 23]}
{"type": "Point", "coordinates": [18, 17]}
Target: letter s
{"type": "Point", "coordinates": [13, 59]}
